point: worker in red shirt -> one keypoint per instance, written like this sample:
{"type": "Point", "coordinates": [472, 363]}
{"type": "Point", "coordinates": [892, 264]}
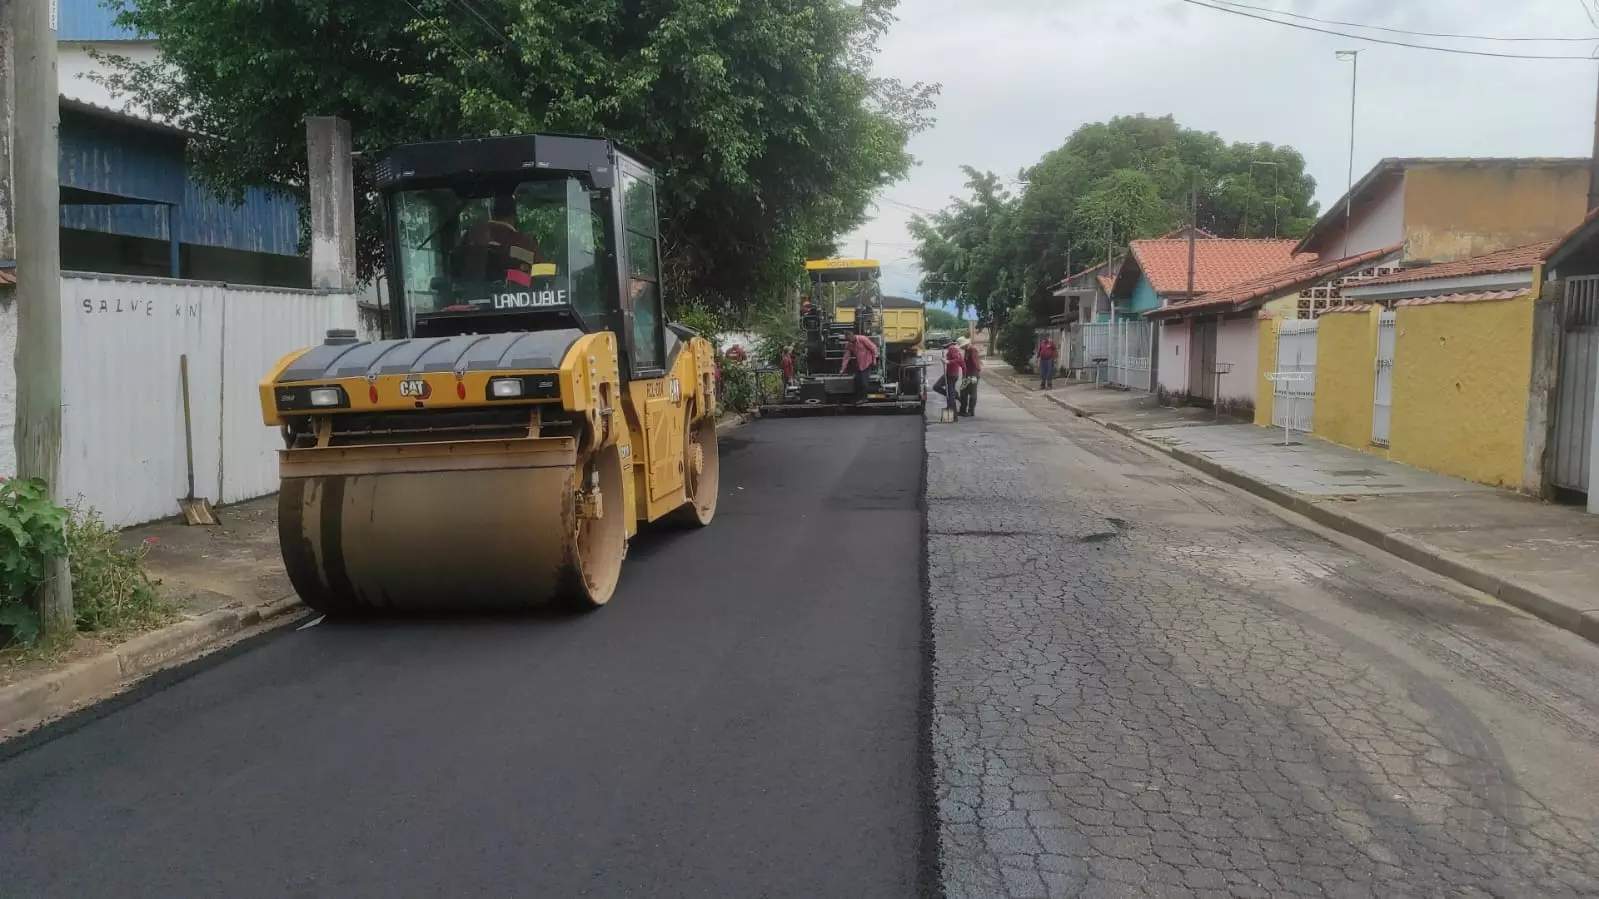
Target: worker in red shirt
{"type": "Point", "coordinates": [972, 369]}
{"type": "Point", "coordinates": [949, 384]}
{"type": "Point", "coordinates": [862, 352]}
{"type": "Point", "coordinates": [1046, 363]}
{"type": "Point", "coordinates": [786, 363]}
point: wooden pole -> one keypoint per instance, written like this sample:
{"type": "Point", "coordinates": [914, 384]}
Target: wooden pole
{"type": "Point", "coordinates": [37, 119]}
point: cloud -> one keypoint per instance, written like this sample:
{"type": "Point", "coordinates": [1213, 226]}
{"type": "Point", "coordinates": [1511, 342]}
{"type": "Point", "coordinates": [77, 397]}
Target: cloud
{"type": "Point", "coordinates": [1020, 75]}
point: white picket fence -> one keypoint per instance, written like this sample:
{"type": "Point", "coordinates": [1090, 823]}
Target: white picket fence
{"type": "Point", "coordinates": [1127, 349]}
{"type": "Point", "coordinates": [122, 410]}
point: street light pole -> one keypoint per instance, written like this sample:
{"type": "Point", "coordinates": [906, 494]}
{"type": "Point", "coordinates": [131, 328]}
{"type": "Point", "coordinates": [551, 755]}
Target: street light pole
{"type": "Point", "coordinates": [1351, 56]}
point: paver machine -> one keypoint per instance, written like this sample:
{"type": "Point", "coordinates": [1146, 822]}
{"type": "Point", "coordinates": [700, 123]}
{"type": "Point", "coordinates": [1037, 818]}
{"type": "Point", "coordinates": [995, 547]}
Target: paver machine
{"type": "Point", "coordinates": [844, 300]}
{"type": "Point", "coordinates": [532, 409]}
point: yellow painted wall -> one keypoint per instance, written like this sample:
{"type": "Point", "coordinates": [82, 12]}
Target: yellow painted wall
{"type": "Point", "coordinates": [1453, 212]}
{"type": "Point", "coordinates": [1461, 372]}
{"type": "Point", "coordinates": [1346, 377]}
{"type": "Point", "coordinates": [1267, 364]}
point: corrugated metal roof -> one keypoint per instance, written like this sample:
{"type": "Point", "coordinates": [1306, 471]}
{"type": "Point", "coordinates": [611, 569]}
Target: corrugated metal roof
{"type": "Point", "coordinates": [90, 20]}
{"type": "Point", "coordinates": [116, 154]}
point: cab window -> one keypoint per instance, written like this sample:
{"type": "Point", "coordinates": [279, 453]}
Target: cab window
{"type": "Point", "coordinates": [644, 271]}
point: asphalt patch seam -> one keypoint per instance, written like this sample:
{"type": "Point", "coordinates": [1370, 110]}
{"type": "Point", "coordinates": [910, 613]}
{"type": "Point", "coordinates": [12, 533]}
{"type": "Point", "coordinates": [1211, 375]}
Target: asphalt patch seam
{"type": "Point", "coordinates": [929, 867]}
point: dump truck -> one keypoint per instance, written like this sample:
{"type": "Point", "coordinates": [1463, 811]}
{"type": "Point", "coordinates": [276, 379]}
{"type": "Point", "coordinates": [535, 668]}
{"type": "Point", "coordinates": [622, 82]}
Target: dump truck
{"type": "Point", "coordinates": [845, 299]}
{"type": "Point", "coordinates": [532, 409]}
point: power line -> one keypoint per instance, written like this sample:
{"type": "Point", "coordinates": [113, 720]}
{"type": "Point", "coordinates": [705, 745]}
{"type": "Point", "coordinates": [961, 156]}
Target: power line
{"type": "Point", "coordinates": [1588, 11]}
{"type": "Point", "coordinates": [1378, 40]}
{"type": "Point", "coordinates": [478, 14]}
{"type": "Point", "coordinates": [1445, 34]}
{"type": "Point", "coordinates": [892, 202]}
{"type": "Point", "coordinates": [422, 16]}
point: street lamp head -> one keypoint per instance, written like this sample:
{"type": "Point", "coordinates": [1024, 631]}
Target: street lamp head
{"type": "Point", "coordinates": [1348, 55]}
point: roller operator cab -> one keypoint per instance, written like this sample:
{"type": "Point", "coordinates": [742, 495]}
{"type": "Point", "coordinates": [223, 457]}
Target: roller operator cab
{"type": "Point", "coordinates": [533, 408]}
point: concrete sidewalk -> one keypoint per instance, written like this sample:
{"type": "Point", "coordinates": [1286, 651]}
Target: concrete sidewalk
{"type": "Point", "coordinates": [1539, 557]}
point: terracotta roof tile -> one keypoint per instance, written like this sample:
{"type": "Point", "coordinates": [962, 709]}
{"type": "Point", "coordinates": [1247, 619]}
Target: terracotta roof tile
{"type": "Point", "coordinates": [1107, 283]}
{"type": "Point", "coordinates": [1217, 263]}
{"type": "Point", "coordinates": [8, 277]}
{"type": "Point", "coordinates": [1514, 260]}
{"type": "Point", "coordinates": [1303, 275]}
{"type": "Point", "coordinates": [1352, 307]}
{"type": "Point", "coordinates": [1481, 296]}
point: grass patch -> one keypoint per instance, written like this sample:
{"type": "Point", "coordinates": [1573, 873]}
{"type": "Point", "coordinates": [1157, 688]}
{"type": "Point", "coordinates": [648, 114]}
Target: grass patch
{"type": "Point", "coordinates": [111, 591]}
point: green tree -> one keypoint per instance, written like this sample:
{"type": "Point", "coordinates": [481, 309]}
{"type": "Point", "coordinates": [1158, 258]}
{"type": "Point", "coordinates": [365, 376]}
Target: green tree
{"type": "Point", "coordinates": [770, 132]}
{"type": "Point", "coordinates": [964, 251]}
{"type": "Point", "coordinates": [1129, 178]}
{"type": "Point", "coordinates": [943, 320]}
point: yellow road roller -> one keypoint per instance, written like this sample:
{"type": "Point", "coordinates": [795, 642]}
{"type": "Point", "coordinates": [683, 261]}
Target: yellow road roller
{"type": "Point", "coordinates": [532, 408]}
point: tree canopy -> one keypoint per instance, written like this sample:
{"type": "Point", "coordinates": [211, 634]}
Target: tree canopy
{"type": "Point", "coordinates": [1110, 183]}
{"type": "Point", "coordinates": [770, 132]}
{"type": "Point", "coordinates": [940, 319]}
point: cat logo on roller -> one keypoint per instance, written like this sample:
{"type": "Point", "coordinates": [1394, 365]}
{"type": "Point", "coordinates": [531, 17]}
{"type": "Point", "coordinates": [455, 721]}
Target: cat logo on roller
{"type": "Point", "coordinates": [555, 446]}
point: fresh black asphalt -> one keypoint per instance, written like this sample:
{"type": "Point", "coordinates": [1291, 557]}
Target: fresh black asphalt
{"type": "Point", "coordinates": [742, 720]}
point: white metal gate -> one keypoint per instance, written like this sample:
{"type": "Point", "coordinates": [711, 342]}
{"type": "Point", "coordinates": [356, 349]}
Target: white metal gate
{"type": "Point", "coordinates": [1127, 349]}
{"type": "Point", "coordinates": [1383, 405]}
{"type": "Point", "coordinates": [1571, 444]}
{"type": "Point", "coordinates": [1294, 399]}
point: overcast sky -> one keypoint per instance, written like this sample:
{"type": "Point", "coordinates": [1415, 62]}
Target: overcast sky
{"type": "Point", "coordinates": [1019, 76]}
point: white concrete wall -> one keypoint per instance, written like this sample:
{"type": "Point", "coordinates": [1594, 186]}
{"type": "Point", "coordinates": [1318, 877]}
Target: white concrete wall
{"type": "Point", "coordinates": [1382, 225]}
{"type": "Point", "coordinates": [1237, 342]}
{"type": "Point", "coordinates": [122, 448]}
{"type": "Point", "coordinates": [8, 386]}
{"type": "Point", "coordinates": [1172, 366]}
{"type": "Point", "coordinates": [74, 65]}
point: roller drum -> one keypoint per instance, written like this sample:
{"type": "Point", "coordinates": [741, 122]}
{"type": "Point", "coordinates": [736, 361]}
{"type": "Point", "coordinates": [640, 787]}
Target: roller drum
{"type": "Point", "coordinates": [473, 540]}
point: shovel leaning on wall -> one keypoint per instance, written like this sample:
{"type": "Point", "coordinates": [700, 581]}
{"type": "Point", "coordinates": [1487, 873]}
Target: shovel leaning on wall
{"type": "Point", "coordinates": [196, 510]}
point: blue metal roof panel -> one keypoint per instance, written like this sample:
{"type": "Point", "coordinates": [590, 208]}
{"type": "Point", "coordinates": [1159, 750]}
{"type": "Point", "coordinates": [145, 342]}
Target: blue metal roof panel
{"type": "Point", "coordinates": [268, 222]}
{"type": "Point", "coordinates": [90, 20]}
{"type": "Point", "coordinates": [110, 158]}
{"type": "Point", "coordinates": [128, 219]}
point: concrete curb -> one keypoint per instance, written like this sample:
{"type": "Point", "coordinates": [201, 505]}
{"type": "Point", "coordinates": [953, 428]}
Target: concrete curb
{"type": "Point", "coordinates": [736, 420]}
{"type": "Point", "coordinates": [1439, 561]}
{"type": "Point", "coordinates": [25, 705]}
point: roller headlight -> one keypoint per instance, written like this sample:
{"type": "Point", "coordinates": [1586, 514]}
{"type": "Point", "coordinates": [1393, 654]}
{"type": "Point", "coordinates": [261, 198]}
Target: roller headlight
{"type": "Point", "coordinates": [506, 388]}
{"type": "Point", "coordinates": [323, 397]}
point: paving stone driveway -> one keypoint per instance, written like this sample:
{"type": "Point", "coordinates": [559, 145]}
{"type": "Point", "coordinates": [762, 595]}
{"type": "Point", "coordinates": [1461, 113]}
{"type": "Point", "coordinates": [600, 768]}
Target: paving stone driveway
{"type": "Point", "coordinates": [1148, 686]}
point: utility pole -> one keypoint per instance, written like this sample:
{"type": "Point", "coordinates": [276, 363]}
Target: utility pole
{"type": "Point", "coordinates": [1352, 56]}
{"type": "Point", "coordinates": [1193, 233]}
{"type": "Point", "coordinates": [867, 253]}
{"type": "Point", "coordinates": [36, 193]}
{"type": "Point", "coordinates": [8, 240]}
{"type": "Point", "coordinates": [1593, 168]}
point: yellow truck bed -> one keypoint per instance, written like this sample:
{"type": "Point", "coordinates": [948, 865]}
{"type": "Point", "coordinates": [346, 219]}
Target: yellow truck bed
{"type": "Point", "coordinates": [901, 325]}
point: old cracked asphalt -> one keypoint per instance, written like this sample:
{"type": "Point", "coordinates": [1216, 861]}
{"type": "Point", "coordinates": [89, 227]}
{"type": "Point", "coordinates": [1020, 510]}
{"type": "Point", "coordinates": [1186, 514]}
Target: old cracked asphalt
{"type": "Point", "coordinates": [741, 721]}
{"type": "Point", "coordinates": [1147, 685]}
